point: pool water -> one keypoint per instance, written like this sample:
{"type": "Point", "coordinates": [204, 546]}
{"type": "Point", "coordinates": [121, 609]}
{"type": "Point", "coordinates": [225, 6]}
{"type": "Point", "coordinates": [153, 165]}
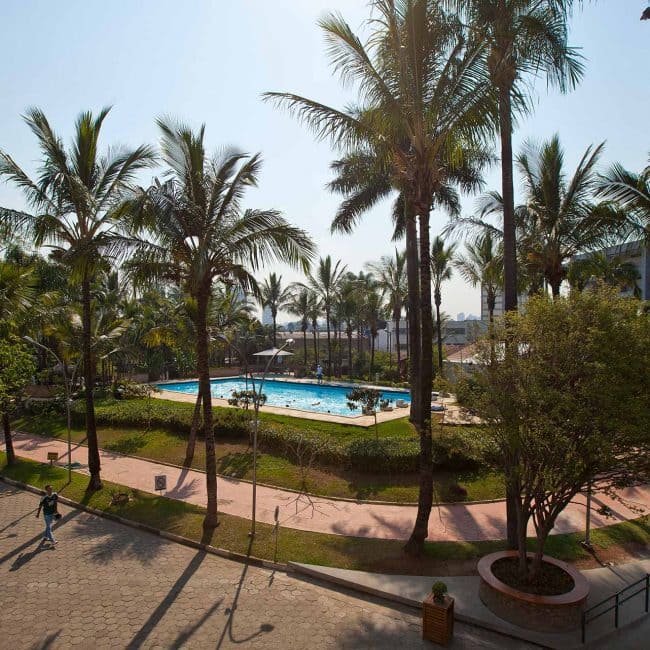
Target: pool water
{"type": "Point", "coordinates": [322, 398]}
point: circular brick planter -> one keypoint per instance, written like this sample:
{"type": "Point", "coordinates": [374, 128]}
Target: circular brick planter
{"type": "Point", "coordinates": [540, 613]}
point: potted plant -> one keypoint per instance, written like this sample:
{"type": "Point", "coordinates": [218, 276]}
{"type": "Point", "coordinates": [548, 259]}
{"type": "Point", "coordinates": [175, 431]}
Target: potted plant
{"type": "Point", "coordinates": [438, 615]}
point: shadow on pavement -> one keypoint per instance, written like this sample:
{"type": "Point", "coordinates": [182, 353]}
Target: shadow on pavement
{"type": "Point", "coordinates": [167, 602]}
{"type": "Point", "coordinates": [47, 642]}
{"type": "Point", "coordinates": [265, 628]}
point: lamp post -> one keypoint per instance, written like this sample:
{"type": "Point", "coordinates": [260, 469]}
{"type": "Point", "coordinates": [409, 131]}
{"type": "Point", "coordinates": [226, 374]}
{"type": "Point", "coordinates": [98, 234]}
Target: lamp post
{"type": "Point", "coordinates": [256, 408]}
{"type": "Point", "coordinates": [66, 384]}
{"type": "Point", "coordinates": [256, 402]}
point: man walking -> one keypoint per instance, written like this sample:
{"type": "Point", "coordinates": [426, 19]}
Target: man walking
{"type": "Point", "coordinates": [49, 505]}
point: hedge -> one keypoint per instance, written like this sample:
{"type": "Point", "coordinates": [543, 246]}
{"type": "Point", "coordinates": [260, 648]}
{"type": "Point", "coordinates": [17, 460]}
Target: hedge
{"type": "Point", "coordinates": [453, 447]}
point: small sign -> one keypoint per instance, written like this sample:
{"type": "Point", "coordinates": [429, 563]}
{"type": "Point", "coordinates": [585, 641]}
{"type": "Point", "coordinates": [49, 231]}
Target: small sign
{"type": "Point", "coordinates": [52, 456]}
{"type": "Point", "coordinates": [160, 482]}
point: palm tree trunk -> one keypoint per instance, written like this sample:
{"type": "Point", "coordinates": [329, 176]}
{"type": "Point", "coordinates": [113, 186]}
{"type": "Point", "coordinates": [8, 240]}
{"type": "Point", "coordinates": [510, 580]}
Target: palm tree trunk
{"type": "Point", "coordinates": [94, 466]}
{"type": "Point", "coordinates": [413, 281]}
{"type": "Point", "coordinates": [372, 355]}
{"type": "Point", "coordinates": [304, 343]}
{"type": "Point", "coordinates": [315, 333]}
{"type": "Point", "coordinates": [191, 441]}
{"type": "Point", "coordinates": [439, 330]}
{"type": "Point", "coordinates": [203, 369]}
{"type": "Point", "coordinates": [415, 544]}
{"type": "Point", "coordinates": [9, 443]}
{"type": "Point", "coordinates": [275, 334]}
{"type": "Point", "coordinates": [350, 352]}
{"type": "Point", "coordinates": [329, 343]}
{"type": "Point", "coordinates": [396, 319]}
{"type": "Point", "coordinates": [507, 188]}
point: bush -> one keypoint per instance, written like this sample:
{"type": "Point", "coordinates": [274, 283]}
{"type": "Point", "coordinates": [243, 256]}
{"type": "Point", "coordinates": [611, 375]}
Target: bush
{"type": "Point", "coordinates": [460, 449]}
{"type": "Point", "coordinates": [467, 390]}
{"type": "Point", "coordinates": [124, 389]}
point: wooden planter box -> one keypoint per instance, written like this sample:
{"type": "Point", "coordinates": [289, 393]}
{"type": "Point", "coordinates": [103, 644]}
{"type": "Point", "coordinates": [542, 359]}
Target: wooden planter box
{"type": "Point", "coordinates": [438, 620]}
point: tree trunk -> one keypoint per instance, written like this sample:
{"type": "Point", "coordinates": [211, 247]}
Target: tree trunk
{"type": "Point", "coordinates": [396, 318]}
{"type": "Point", "coordinates": [329, 343]}
{"type": "Point", "coordinates": [372, 355]}
{"type": "Point", "coordinates": [275, 333]}
{"type": "Point", "coordinates": [9, 443]}
{"type": "Point", "coordinates": [415, 544]}
{"type": "Point", "coordinates": [304, 343]}
{"type": "Point", "coordinates": [507, 190]}
{"type": "Point", "coordinates": [350, 352]}
{"type": "Point", "coordinates": [521, 528]}
{"type": "Point", "coordinates": [413, 281]}
{"type": "Point", "coordinates": [555, 288]}
{"type": "Point", "coordinates": [439, 329]}
{"type": "Point", "coordinates": [315, 333]}
{"type": "Point", "coordinates": [203, 369]}
{"type": "Point", "coordinates": [94, 466]}
{"type": "Point", "coordinates": [191, 441]}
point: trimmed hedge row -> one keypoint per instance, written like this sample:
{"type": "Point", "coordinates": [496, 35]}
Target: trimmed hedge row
{"type": "Point", "coordinates": [454, 448]}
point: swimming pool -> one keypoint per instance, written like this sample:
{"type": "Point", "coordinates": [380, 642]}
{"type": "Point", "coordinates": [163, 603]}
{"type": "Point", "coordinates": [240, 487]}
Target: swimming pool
{"type": "Point", "coordinates": [322, 398]}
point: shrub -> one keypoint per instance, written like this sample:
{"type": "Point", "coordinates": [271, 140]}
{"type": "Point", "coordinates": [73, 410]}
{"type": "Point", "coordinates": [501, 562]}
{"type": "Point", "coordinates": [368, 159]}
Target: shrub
{"type": "Point", "coordinates": [438, 589]}
{"type": "Point", "coordinates": [467, 390]}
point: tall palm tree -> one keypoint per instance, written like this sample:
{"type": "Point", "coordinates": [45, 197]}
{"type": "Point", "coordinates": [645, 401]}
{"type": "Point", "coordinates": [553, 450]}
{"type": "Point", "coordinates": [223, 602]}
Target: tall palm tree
{"type": "Point", "coordinates": [199, 233]}
{"type": "Point", "coordinates": [441, 260]}
{"type": "Point", "coordinates": [79, 206]}
{"type": "Point", "coordinates": [373, 311]}
{"type": "Point", "coordinates": [613, 271]}
{"type": "Point", "coordinates": [632, 193]}
{"type": "Point", "coordinates": [324, 280]}
{"type": "Point", "coordinates": [525, 38]}
{"type": "Point", "coordinates": [274, 296]}
{"type": "Point", "coordinates": [391, 276]}
{"type": "Point", "coordinates": [422, 103]}
{"type": "Point", "coordinates": [483, 266]}
{"type": "Point", "coordinates": [301, 303]}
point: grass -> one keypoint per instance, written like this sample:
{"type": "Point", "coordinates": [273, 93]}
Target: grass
{"type": "Point", "coordinates": [235, 460]}
{"type": "Point", "coordinates": [440, 558]}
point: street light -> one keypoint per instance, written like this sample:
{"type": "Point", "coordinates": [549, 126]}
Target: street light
{"type": "Point", "coordinates": [66, 384]}
{"type": "Point", "coordinates": [256, 402]}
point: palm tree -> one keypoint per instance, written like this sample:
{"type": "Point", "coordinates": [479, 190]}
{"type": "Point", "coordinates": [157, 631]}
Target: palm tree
{"type": "Point", "coordinates": [441, 260]}
{"type": "Point", "coordinates": [525, 38]}
{"type": "Point", "coordinates": [274, 296]}
{"type": "Point", "coordinates": [17, 293]}
{"type": "Point", "coordinates": [483, 266]}
{"type": "Point", "coordinates": [614, 271]}
{"type": "Point", "coordinates": [79, 205]}
{"type": "Point", "coordinates": [373, 311]}
{"type": "Point", "coordinates": [347, 301]}
{"type": "Point", "coordinates": [391, 276]}
{"type": "Point", "coordinates": [199, 233]}
{"type": "Point", "coordinates": [422, 104]}
{"type": "Point", "coordinates": [632, 193]}
{"type": "Point", "coordinates": [301, 303]}
{"type": "Point", "coordinates": [324, 280]}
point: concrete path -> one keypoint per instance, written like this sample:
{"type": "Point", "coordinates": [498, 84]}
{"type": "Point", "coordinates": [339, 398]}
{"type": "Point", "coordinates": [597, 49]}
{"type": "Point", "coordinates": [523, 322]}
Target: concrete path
{"type": "Point", "coordinates": [110, 586]}
{"type": "Point", "coordinates": [411, 590]}
{"type": "Point", "coordinates": [457, 522]}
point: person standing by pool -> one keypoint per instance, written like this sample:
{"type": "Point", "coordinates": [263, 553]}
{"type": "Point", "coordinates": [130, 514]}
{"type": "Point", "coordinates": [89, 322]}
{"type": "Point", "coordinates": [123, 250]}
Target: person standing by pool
{"type": "Point", "coordinates": [319, 373]}
{"type": "Point", "coordinates": [49, 505]}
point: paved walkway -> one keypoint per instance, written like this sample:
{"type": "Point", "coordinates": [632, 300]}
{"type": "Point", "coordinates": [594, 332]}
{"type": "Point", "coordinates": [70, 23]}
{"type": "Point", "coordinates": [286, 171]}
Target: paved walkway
{"type": "Point", "coordinates": [457, 522]}
{"type": "Point", "coordinates": [110, 586]}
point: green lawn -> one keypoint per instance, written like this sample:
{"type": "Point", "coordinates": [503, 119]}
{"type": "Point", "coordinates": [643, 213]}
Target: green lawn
{"type": "Point", "coordinates": [235, 459]}
{"type": "Point", "coordinates": [300, 546]}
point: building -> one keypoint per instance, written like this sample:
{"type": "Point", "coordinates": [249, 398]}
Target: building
{"type": "Point", "coordinates": [454, 332]}
{"type": "Point", "coordinates": [267, 316]}
{"type": "Point", "coordinates": [635, 253]}
{"type": "Point", "coordinates": [522, 299]}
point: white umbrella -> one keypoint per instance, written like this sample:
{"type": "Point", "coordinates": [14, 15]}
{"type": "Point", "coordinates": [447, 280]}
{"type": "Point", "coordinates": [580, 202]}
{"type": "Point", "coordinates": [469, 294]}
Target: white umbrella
{"type": "Point", "coordinates": [273, 352]}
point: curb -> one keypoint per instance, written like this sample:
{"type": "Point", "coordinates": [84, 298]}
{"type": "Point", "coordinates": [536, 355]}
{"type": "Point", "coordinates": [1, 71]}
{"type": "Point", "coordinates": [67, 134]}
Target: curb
{"type": "Point", "coordinates": [172, 537]}
{"type": "Point", "coordinates": [298, 569]}
{"type": "Point", "coordinates": [410, 504]}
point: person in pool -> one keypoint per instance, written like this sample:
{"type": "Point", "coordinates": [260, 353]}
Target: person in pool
{"type": "Point", "coordinates": [319, 373]}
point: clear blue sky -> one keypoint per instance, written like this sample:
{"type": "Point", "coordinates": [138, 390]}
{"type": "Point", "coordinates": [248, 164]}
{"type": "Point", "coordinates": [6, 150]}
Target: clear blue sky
{"type": "Point", "coordinates": [210, 61]}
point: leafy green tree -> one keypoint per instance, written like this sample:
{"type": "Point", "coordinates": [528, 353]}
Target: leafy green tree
{"type": "Point", "coordinates": [613, 271]}
{"type": "Point", "coordinates": [525, 39]}
{"type": "Point", "coordinates": [578, 389]}
{"type": "Point", "coordinates": [324, 281]}
{"type": "Point", "coordinates": [274, 296]}
{"type": "Point", "coordinates": [368, 398]}
{"type": "Point", "coordinates": [441, 265]}
{"type": "Point", "coordinates": [17, 367]}
{"type": "Point", "coordinates": [482, 266]}
{"type": "Point", "coordinates": [199, 233]}
{"type": "Point", "coordinates": [632, 193]}
{"type": "Point", "coordinates": [301, 303]}
{"type": "Point", "coordinates": [391, 276]}
{"type": "Point", "coordinates": [79, 203]}
{"type": "Point", "coordinates": [422, 104]}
